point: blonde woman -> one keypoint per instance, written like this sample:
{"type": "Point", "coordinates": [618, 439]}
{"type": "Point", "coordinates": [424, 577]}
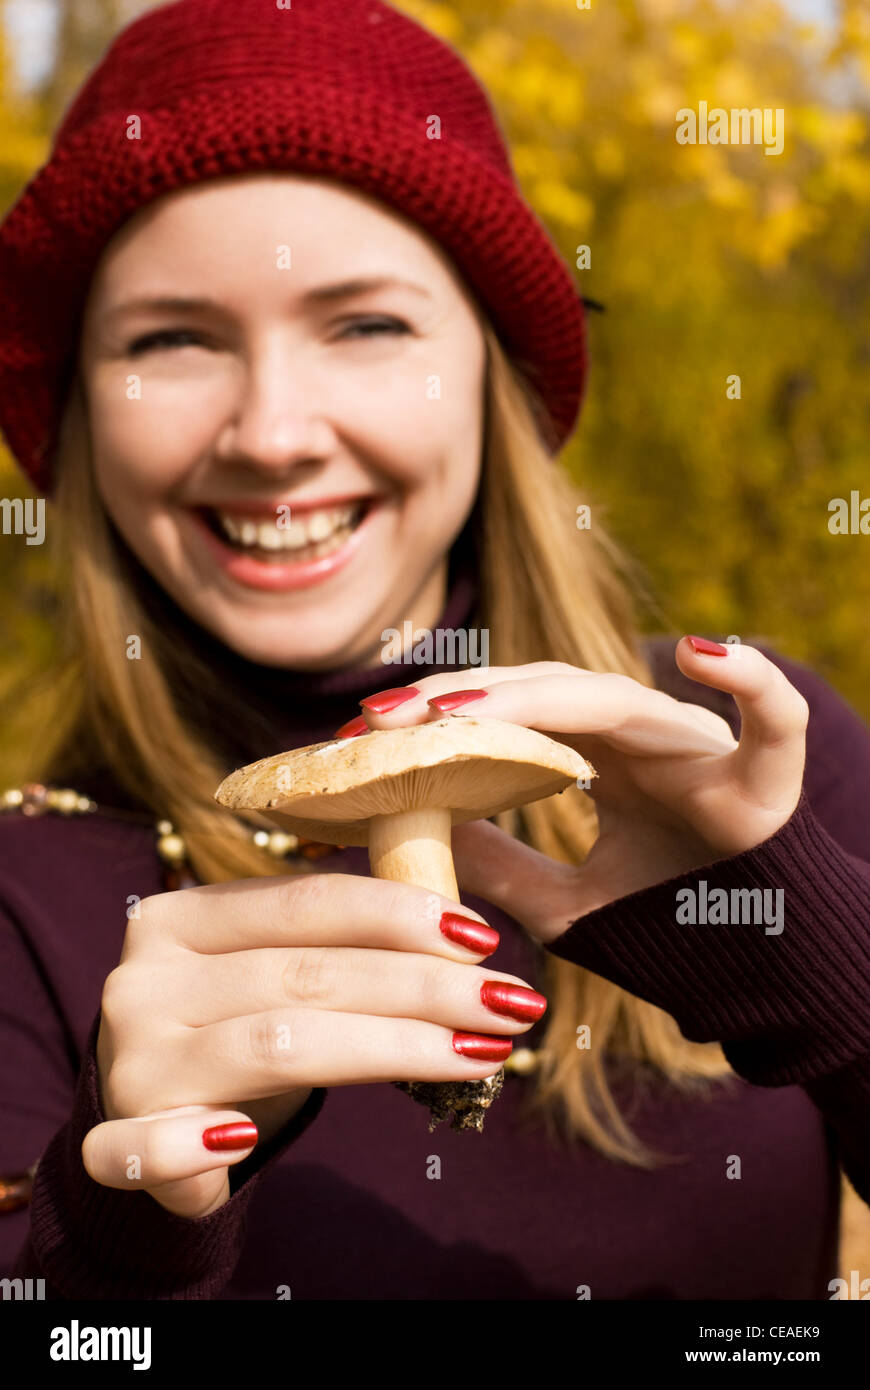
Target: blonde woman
{"type": "Point", "coordinates": [275, 268]}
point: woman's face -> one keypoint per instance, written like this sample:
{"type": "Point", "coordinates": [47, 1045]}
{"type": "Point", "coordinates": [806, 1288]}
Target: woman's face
{"type": "Point", "coordinates": [285, 389]}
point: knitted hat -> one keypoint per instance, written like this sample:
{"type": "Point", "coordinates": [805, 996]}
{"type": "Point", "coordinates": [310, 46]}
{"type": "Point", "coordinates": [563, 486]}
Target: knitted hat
{"type": "Point", "coordinates": [349, 89]}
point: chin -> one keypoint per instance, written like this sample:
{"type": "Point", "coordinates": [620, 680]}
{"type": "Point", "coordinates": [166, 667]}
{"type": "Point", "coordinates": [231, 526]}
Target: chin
{"type": "Point", "coordinates": [267, 647]}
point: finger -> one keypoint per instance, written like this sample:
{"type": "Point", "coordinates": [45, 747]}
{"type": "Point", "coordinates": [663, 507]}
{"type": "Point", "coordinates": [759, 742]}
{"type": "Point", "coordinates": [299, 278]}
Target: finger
{"type": "Point", "coordinates": [769, 758]}
{"type": "Point", "coordinates": [403, 705]}
{"type": "Point", "coordinates": [266, 1054]}
{"type": "Point", "coordinates": [509, 874]}
{"type": "Point", "coordinates": [317, 909]}
{"type": "Point", "coordinates": [629, 716]}
{"type": "Point", "coordinates": [391, 984]}
{"type": "Point", "coordinates": [193, 1142]}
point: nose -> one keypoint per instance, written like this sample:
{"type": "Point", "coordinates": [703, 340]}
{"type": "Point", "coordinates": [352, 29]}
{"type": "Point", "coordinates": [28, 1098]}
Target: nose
{"type": "Point", "coordinates": [274, 423]}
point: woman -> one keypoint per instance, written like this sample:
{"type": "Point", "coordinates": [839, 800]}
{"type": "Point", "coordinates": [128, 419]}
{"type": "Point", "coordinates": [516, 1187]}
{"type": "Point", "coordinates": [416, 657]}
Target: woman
{"type": "Point", "coordinates": [294, 361]}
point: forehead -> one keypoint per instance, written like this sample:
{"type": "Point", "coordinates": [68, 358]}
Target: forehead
{"type": "Point", "coordinates": [237, 226]}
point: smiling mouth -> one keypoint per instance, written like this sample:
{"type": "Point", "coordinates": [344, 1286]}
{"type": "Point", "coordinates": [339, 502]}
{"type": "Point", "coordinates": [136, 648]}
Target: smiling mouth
{"type": "Point", "coordinates": [287, 540]}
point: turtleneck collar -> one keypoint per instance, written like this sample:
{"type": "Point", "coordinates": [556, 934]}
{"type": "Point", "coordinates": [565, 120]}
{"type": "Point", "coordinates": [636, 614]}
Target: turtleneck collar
{"type": "Point", "coordinates": [345, 682]}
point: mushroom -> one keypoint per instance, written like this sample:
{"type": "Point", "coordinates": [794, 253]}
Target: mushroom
{"type": "Point", "coordinates": [400, 791]}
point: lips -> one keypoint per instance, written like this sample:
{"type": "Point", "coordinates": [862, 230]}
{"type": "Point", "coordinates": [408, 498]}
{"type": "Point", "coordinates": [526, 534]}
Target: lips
{"type": "Point", "coordinates": [283, 563]}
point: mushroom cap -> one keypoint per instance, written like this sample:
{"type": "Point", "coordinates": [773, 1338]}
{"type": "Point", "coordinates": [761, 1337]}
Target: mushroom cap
{"type": "Point", "coordinates": [473, 767]}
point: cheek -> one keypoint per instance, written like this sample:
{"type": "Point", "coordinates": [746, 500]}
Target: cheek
{"type": "Point", "coordinates": [455, 415]}
{"type": "Point", "coordinates": [427, 430]}
{"type": "Point", "coordinates": [144, 438]}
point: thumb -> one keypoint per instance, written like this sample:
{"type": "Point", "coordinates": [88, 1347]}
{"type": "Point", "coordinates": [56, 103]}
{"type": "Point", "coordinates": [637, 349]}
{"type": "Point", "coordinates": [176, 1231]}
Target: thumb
{"type": "Point", "coordinates": [179, 1156]}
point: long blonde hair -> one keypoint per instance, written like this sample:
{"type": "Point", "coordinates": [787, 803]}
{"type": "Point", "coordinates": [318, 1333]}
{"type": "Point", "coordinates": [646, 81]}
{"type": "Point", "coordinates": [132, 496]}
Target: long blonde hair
{"type": "Point", "coordinates": [548, 591]}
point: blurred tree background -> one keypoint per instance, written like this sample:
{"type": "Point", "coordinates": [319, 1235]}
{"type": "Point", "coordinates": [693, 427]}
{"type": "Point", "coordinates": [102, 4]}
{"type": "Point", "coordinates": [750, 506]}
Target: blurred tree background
{"type": "Point", "coordinates": [711, 260]}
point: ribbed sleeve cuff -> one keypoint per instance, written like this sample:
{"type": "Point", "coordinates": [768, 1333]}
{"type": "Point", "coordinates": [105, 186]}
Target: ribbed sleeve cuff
{"type": "Point", "coordinates": [844, 1098]}
{"type": "Point", "coordinates": [787, 1006]}
{"type": "Point", "coordinates": [96, 1242]}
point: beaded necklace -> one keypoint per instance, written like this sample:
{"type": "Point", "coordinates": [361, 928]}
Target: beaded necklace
{"type": "Point", "coordinates": [35, 799]}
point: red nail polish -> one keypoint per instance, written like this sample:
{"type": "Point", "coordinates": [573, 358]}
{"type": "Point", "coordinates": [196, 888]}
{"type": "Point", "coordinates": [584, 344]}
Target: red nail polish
{"type": "Point", "coordinates": [223, 1138]}
{"type": "Point", "coordinates": [455, 698]}
{"type": "Point", "coordinates": [466, 932]}
{"type": "Point", "coordinates": [482, 1048]}
{"type": "Point", "coordinates": [385, 700]}
{"type": "Point", "coordinates": [352, 728]}
{"type": "Point", "coordinates": [513, 1001]}
{"type": "Point", "coordinates": [701, 644]}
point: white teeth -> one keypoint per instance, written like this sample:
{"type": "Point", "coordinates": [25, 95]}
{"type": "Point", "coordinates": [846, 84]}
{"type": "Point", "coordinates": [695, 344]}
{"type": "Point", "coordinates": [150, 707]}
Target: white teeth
{"type": "Point", "coordinates": [320, 526]}
{"type": "Point", "coordinates": [311, 528]}
{"type": "Point", "coordinates": [268, 537]}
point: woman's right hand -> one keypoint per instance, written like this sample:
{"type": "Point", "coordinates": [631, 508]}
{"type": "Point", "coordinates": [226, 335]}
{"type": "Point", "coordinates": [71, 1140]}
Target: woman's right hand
{"type": "Point", "coordinates": [232, 1000]}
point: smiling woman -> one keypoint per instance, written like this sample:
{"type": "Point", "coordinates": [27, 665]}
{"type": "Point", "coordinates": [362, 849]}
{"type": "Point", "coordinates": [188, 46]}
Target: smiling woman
{"type": "Point", "coordinates": [258, 466]}
{"type": "Point", "coordinates": [262, 391]}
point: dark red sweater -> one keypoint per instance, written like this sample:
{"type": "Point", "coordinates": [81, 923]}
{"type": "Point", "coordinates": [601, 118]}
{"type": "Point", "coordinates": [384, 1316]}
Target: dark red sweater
{"type": "Point", "coordinates": [340, 1205]}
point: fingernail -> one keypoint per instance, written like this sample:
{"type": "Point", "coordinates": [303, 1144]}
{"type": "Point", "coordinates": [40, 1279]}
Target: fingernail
{"type": "Point", "coordinates": [455, 698]}
{"type": "Point", "coordinates": [482, 1048]}
{"type": "Point", "coordinates": [701, 644]}
{"type": "Point", "coordinates": [385, 700]}
{"type": "Point", "coordinates": [513, 1001]}
{"type": "Point", "coordinates": [223, 1138]}
{"type": "Point", "coordinates": [466, 932]}
{"type": "Point", "coordinates": [352, 728]}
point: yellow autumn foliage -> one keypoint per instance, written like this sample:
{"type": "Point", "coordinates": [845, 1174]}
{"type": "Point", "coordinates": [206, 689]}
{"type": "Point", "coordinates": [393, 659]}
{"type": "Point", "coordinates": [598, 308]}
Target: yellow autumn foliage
{"type": "Point", "coordinates": [715, 262]}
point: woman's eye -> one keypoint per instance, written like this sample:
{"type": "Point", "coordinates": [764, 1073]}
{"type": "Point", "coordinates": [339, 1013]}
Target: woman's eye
{"type": "Point", "coordinates": [164, 337]}
{"type": "Point", "coordinates": [185, 337]}
{"type": "Point", "coordinates": [372, 326]}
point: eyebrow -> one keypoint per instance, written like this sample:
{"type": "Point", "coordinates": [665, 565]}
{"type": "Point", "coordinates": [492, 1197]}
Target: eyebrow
{"type": "Point", "coordinates": [344, 289]}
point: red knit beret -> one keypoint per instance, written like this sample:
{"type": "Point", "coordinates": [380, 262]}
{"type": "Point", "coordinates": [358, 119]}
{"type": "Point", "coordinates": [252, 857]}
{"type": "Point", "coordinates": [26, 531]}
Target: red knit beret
{"type": "Point", "coordinates": [342, 88]}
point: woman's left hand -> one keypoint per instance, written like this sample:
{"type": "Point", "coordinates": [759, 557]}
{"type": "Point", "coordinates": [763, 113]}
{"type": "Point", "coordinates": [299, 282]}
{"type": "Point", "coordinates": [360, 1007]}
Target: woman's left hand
{"type": "Point", "coordinates": [675, 790]}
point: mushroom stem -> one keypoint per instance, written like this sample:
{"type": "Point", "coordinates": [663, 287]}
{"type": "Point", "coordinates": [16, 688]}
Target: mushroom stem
{"type": "Point", "coordinates": [414, 847]}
